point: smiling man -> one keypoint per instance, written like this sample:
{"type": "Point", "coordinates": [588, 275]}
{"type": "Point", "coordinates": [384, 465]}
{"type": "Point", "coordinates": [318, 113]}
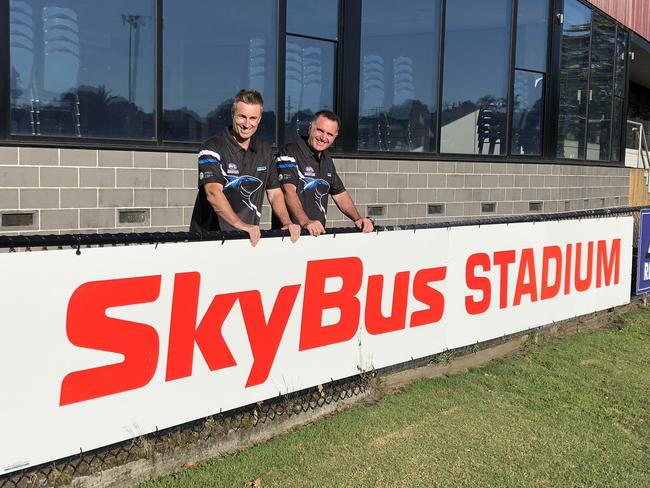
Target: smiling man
{"type": "Point", "coordinates": [235, 169]}
{"type": "Point", "coordinates": [308, 176]}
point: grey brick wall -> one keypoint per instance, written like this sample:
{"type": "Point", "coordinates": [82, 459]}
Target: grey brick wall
{"type": "Point", "coordinates": [407, 191]}
{"type": "Point", "coordinates": [78, 190]}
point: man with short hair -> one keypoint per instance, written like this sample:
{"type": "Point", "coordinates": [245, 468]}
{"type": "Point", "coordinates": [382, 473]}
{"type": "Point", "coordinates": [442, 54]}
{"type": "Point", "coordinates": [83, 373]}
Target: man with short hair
{"type": "Point", "coordinates": [307, 174]}
{"type": "Point", "coordinates": [235, 168]}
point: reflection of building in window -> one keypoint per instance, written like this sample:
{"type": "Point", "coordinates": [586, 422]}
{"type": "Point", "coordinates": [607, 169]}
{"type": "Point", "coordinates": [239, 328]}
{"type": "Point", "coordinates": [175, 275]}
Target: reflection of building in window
{"type": "Point", "coordinates": [403, 87]}
{"type": "Point", "coordinates": [304, 84]}
{"type": "Point", "coordinates": [22, 60]}
{"type": "Point", "coordinates": [61, 46]}
{"type": "Point", "coordinates": [398, 124]}
{"type": "Point", "coordinates": [256, 58]}
{"type": "Point", "coordinates": [373, 84]}
{"type": "Point", "coordinates": [293, 78]}
{"type": "Point", "coordinates": [312, 81]}
{"type": "Point", "coordinates": [47, 94]}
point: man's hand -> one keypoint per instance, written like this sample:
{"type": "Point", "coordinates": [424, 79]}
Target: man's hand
{"type": "Point", "coordinates": [294, 231]}
{"type": "Point", "coordinates": [314, 227]}
{"type": "Point", "coordinates": [364, 224]}
{"type": "Point", "coordinates": [254, 233]}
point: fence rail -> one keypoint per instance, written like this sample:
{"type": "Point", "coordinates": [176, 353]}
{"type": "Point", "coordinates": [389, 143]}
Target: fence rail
{"type": "Point", "coordinates": [44, 242]}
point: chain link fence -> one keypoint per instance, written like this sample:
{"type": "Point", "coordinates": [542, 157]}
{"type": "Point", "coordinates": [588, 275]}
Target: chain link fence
{"type": "Point", "coordinates": [246, 419]}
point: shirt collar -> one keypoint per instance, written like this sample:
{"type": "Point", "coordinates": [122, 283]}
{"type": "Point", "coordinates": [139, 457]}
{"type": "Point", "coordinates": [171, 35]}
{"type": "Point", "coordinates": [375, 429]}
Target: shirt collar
{"type": "Point", "coordinates": [302, 142]}
{"type": "Point", "coordinates": [230, 137]}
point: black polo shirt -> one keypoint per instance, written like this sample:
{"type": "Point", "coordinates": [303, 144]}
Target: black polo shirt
{"type": "Point", "coordinates": [314, 180]}
{"type": "Point", "coordinates": [244, 174]}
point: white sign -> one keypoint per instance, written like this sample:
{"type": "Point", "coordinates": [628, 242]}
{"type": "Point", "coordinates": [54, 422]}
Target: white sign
{"type": "Point", "coordinates": [118, 342]}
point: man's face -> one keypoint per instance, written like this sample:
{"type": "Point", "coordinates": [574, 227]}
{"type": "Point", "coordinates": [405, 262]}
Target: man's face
{"type": "Point", "coordinates": [322, 133]}
{"type": "Point", "coordinates": [245, 120]}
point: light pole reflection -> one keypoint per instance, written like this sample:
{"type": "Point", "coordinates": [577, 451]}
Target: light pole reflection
{"type": "Point", "coordinates": [134, 21]}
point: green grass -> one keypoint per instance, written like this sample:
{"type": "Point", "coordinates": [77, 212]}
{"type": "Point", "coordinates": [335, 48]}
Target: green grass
{"type": "Point", "coordinates": [571, 413]}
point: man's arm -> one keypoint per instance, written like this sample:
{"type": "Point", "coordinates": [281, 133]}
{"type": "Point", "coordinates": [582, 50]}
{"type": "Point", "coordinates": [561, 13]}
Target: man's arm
{"type": "Point", "coordinates": [346, 205]}
{"type": "Point", "coordinates": [220, 204]}
{"type": "Point", "coordinates": [276, 199]}
{"type": "Point", "coordinates": [314, 227]}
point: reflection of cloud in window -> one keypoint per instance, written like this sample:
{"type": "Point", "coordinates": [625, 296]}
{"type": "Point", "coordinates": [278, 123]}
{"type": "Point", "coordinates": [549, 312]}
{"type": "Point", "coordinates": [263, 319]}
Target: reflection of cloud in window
{"type": "Point", "coordinates": [61, 46]}
{"type": "Point", "coordinates": [256, 55]}
{"type": "Point", "coordinates": [373, 84]}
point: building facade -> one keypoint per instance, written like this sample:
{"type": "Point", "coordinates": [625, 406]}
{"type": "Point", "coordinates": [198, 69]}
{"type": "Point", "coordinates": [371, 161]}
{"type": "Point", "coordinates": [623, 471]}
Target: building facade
{"type": "Point", "coordinates": [450, 109]}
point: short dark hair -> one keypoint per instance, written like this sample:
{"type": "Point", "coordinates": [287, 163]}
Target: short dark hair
{"type": "Point", "coordinates": [328, 114]}
{"type": "Point", "coordinates": [250, 97]}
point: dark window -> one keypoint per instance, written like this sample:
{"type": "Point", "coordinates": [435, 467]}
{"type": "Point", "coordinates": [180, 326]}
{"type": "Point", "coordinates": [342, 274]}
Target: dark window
{"type": "Point", "coordinates": [617, 128]}
{"type": "Point", "coordinates": [601, 88]}
{"type": "Point", "coordinates": [211, 51]}
{"type": "Point", "coordinates": [619, 93]}
{"type": "Point", "coordinates": [621, 56]}
{"type": "Point", "coordinates": [313, 18]}
{"type": "Point", "coordinates": [82, 69]}
{"type": "Point", "coordinates": [309, 82]}
{"type": "Point", "coordinates": [399, 66]}
{"type": "Point", "coordinates": [592, 76]}
{"type": "Point", "coordinates": [532, 34]}
{"type": "Point", "coordinates": [475, 82]}
{"type": "Point", "coordinates": [574, 79]}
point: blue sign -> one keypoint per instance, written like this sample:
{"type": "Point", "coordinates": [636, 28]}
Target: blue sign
{"type": "Point", "coordinates": [643, 258]}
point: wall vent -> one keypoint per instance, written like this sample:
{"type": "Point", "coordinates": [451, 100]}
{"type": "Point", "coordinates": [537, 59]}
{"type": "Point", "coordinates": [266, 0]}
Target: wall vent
{"type": "Point", "coordinates": [488, 207]}
{"type": "Point", "coordinates": [133, 217]}
{"type": "Point", "coordinates": [435, 209]}
{"type": "Point", "coordinates": [17, 219]}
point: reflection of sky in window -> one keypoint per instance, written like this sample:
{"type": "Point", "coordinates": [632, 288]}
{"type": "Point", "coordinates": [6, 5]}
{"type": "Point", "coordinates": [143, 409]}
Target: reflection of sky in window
{"type": "Point", "coordinates": [476, 50]}
{"type": "Point", "coordinates": [83, 43]}
{"type": "Point", "coordinates": [577, 18]}
{"type": "Point", "coordinates": [213, 49]}
{"type": "Point", "coordinates": [532, 33]}
{"type": "Point", "coordinates": [318, 18]}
